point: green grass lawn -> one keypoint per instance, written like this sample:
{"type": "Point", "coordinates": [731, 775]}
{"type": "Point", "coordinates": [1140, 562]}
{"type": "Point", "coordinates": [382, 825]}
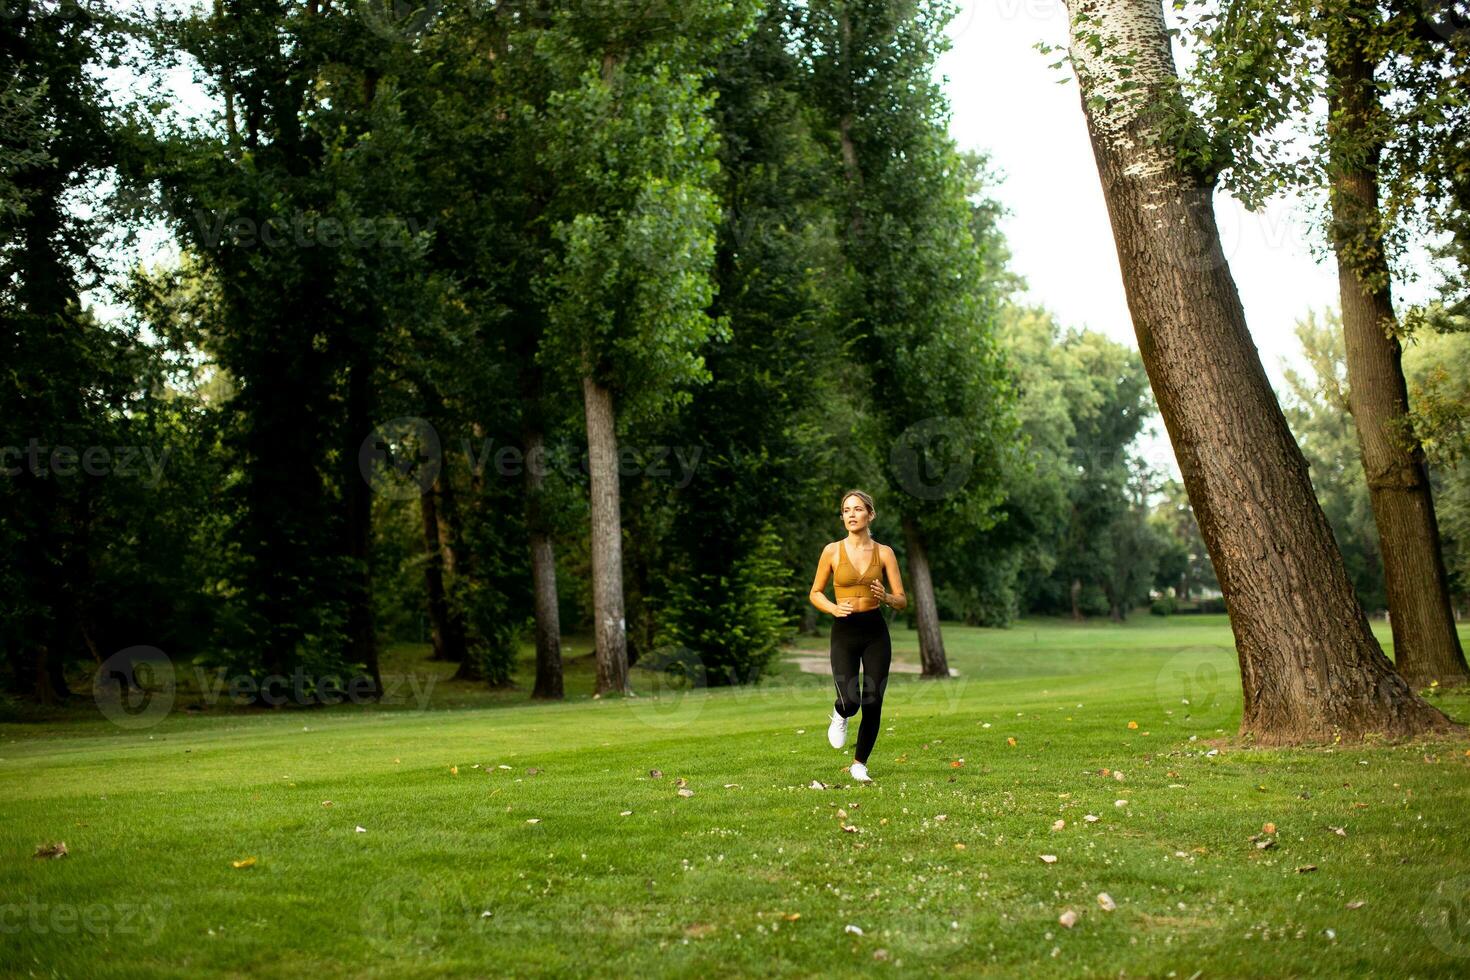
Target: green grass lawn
{"type": "Point", "coordinates": [551, 849]}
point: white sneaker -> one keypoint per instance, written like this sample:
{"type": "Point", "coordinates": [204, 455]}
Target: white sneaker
{"type": "Point", "coordinates": [837, 730]}
{"type": "Point", "coordinates": [860, 773]}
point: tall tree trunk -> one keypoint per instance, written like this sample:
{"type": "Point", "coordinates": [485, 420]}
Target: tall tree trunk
{"type": "Point", "coordinates": [1076, 593]}
{"type": "Point", "coordinates": [543, 574]}
{"type": "Point", "coordinates": [610, 630]}
{"type": "Point", "coordinates": [932, 659]}
{"type": "Point", "coordinates": [361, 633]}
{"type": "Point", "coordinates": [1310, 666]}
{"type": "Point", "coordinates": [448, 636]}
{"type": "Point", "coordinates": [1425, 644]}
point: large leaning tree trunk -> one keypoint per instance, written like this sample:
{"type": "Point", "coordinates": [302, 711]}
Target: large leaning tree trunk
{"type": "Point", "coordinates": [1425, 644]}
{"type": "Point", "coordinates": [609, 628]}
{"type": "Point", "coordinates": [1311, 669]}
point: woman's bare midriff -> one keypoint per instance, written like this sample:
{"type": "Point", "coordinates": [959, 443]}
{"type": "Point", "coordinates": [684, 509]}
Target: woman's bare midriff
{"type": "Point", "coordinates": [863, 605]}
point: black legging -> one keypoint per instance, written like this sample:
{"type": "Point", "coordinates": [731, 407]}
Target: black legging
{"type": "Point", "coordinates": [861, 638]}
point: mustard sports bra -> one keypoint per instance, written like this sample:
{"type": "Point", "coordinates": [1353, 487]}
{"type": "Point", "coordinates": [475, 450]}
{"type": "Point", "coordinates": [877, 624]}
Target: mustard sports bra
{"type": "Point", "coordinates": [853, 585]}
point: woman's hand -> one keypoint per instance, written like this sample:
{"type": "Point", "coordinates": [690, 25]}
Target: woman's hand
{"type": "Point", "coordinates": [844, 608]}
{"type": "Point", "coordinates": [879, 592]}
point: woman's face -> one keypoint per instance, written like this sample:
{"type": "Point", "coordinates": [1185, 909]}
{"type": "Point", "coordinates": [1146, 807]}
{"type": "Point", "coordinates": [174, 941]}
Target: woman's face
{"type": "Point", "coordinates": [855, 514]}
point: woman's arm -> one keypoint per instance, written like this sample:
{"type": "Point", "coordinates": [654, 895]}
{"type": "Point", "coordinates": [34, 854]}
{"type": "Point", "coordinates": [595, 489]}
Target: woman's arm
{"type": "Point", "coordinates": [896, 597]}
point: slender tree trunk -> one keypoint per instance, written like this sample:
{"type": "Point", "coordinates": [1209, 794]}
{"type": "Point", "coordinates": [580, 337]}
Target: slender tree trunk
{"type": "Point", "coordinates": [1076, 594]}
{"type": "Point", "coordinates": [543, 574]}
{"type": "Point", "coordinates": [449, 643]}
{"type": "Point", "coordinates": [610, 630]}
{"type": "Point", "coordinates": [1425, 644]}
{"type": "Point", "coordinates": [1311, 669]}
{"type": "Point", "coordinates": [361, 634]}
{"type": "Point", "coordinates": [934, 663]}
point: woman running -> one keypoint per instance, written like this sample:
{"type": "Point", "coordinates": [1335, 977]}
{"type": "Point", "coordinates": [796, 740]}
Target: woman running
{"type": "Point", "coordinates": [860, 634]}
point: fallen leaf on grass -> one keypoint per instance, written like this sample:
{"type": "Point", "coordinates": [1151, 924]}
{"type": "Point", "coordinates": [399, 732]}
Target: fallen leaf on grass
{"type": "Point", "coordinates": [1268, 828]}
{"type": "Point", "coordinates": [732, 785]}
{"type": "Point", "coordinates": [1105, 901]}
{"type": "Point", "coordinates": [656, 773]}
{"type": "Point", "coordinates": [1303, 869]}
{"type": "Point", "coordinates": [1049, 858]}
{"type": "Point", "coordinates": [957, 763]}
{"type": "Point", "coordinates": [326, 802]}
{"type": "Point", "coordinates": [1339, 831]}
{"type": "Point", "coordinates": [1059, 825]}
{"type": "Point", "coordinates": [680, 781]}
{"type": "Point", "coordinates": [56, 850]}
{"type": "Point", "coordinates": [533, 820]}
{"type": "Point", "coordinates": [1356, 904]}
{"type": "Point", "coordinates": [1011, 742]}
{"type": "Point", "coordinates": [1068, 918]}
{"type": "Point", "coordinates": [816, 784]}
{"type": "Point", "coordinates": [685, 792]}
{"type": "Point", "coordinates": [1133, 724]}
{"type": "Point", "coordinates": [454, 770]}
{"type": "Point", "coordinates": [855, 930]}
{"type": "Point", "coordinates": [360, 830]}
{"type": "Point", "coordinates": [625, 813]}
{"type": "Point", "coordinates": [848, 828]}
{"type": "Point", "coordinates": [1091, 818]}
{"type": "Point", "coordinates": [243, 863]}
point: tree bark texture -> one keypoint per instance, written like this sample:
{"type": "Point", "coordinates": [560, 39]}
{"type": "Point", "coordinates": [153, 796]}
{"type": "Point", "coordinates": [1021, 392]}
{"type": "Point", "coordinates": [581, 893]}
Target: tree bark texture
{"type": "Point", "coordinates": [610, 630]}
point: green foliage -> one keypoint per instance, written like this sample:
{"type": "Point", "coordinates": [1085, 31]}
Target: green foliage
{"type": "Point", "coordinates": [735, 642]}
{"type": "Point", "coordinates": [1262, 83]}
{"type": "Point", "coordinates": [1437, 367]}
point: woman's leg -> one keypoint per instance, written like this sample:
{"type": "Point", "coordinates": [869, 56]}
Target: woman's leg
{"type": "Point", "coordinates": [877, 657]}
{"type": "Point", "coordinates": [847, 651]}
